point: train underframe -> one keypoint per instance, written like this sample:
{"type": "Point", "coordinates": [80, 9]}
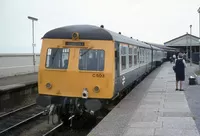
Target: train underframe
{"type": "Point", "coordinates": [69, 109]}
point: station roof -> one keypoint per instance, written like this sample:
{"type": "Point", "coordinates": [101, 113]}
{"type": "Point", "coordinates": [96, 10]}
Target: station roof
{"type": "Point", "coordinates": [183, 40]}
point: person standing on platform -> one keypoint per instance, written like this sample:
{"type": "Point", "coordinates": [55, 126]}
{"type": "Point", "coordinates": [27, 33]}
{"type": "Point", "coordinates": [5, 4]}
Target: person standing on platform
{"type": "Point", "coordinates": [171, 59]}
{"type": "Point", "coordinates": [180, 66]}
{"type": "Point", "coordinates": [184, 56]}
{"type": "Point", "coordinates": [174, 58]}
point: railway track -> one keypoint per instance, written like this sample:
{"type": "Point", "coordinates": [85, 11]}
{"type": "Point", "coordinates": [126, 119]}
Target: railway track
{"type": "Point", "coordinates": [15, 119]}
{"type": "Point", "coordinates": [62, 130]}
{"type": "Point", "coordinates": [52, 132]}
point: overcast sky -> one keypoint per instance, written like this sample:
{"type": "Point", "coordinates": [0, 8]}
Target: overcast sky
{"type": "Point", "coordinates": [155, 21]}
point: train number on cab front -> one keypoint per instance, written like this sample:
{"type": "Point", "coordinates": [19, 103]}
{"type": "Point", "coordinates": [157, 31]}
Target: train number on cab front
{"type": "Point", "coordinates": [98, 75]}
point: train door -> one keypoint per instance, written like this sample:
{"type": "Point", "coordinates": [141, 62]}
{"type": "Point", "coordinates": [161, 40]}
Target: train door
{"type": "Point", "coordinates": [152, 58]}
{"type": "Point", "coordinates": [145, 60]}
{"type": "Point", "coordinates": [138, 55]}
{"type": "Point", "coordinates": [116, 59]}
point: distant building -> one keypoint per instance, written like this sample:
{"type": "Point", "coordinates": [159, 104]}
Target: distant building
{"type": "Point", "coordinates": [183, 43]}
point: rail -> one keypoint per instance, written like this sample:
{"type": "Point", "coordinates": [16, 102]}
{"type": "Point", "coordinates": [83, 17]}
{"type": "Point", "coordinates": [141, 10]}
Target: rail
{"type": "Point", "coordinates": [16, 118]}
{"type": "Point", "coordinates": [17, 110]}
{"type": "Point", "coordinates": [53, 130]}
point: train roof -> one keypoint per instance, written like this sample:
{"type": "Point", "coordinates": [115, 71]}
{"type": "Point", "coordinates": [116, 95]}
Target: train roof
{"type": "Point", "coordinates": [154, 47]}
{"type": "Point", "coordinates": [90, 32]}
{"type": "Point", "coordinates": [161, 46]}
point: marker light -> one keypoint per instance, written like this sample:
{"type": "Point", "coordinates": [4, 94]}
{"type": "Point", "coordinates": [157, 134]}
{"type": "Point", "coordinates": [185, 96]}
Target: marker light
{"type": "Point", "coordinates": [96, 89]}
{"type": "Point", "coordinates": [48, 85]}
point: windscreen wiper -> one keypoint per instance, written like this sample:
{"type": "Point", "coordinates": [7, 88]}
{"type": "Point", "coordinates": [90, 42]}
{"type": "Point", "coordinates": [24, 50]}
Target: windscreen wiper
{"type": "Point", "coordinates": [86, 51]}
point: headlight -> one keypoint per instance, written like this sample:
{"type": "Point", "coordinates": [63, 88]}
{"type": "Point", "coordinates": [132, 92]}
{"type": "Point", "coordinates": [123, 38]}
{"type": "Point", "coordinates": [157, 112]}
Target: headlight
{"type": "Point", "coordinates": [48, 85]}
{"type": "Point", "coordinates": [96, 89]}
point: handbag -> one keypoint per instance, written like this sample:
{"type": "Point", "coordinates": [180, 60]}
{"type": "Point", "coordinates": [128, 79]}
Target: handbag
{"type": "Point", "coordinates": [174, 68]}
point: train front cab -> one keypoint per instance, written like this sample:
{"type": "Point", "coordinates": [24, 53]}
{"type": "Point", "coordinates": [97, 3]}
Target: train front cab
{"type": "Point", "coordinates": [83, 69]}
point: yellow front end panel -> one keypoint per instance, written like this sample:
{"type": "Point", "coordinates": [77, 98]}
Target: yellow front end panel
{"type": "Point", "coordinates": [70, 82]}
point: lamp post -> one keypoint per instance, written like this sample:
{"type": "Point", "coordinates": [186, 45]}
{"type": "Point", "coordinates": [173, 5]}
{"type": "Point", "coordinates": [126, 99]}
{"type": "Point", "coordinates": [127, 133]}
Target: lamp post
{"type": "Point", "coordinates": [190, 46]}
{"type": "Point", "coordinates": [33, 44]}
{"type": "Point", "coordinates": [199, 35]}
{"type": "Point", "coordinates": [187, 47]}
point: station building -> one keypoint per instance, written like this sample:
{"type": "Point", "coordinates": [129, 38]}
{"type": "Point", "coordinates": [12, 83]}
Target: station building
{"type": "Point", "coordinates": [184, 43]}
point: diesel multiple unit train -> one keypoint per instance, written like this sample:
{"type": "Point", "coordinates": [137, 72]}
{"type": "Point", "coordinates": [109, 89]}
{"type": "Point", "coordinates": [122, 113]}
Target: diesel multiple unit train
{"type": "Point", "coordinates": [83, 67]}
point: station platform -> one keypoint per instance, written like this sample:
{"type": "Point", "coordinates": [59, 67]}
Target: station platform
{"type": "Point", "coordinates": [154, 108]}
{"type": "Point", "coordinates": [11, 82]}
{"type": "Point", "coordinates": [16, 91]}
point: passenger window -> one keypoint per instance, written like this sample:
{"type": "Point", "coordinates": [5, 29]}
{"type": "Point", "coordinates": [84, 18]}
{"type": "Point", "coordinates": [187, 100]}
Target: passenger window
{"type": "Point", "coordinates": [130, 56]}
{"type": "Point", "coordinates": [91, 60]}
{"type": "Point", "coordinates": [140, 55]}
{"type": "Point", "coordinates": [57, 58]}
{"type": "Point", "coordinates": [123, 57]}
{"type": "Point", "coordinates": [135, 56]}
{"type": "Point", "coordinates": [143, 51]}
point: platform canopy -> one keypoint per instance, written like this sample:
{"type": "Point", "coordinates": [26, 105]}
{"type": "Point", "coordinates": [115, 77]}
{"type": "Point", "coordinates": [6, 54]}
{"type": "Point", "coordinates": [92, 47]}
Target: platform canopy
{"type": "Point", "coordinates": [183, 40]}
